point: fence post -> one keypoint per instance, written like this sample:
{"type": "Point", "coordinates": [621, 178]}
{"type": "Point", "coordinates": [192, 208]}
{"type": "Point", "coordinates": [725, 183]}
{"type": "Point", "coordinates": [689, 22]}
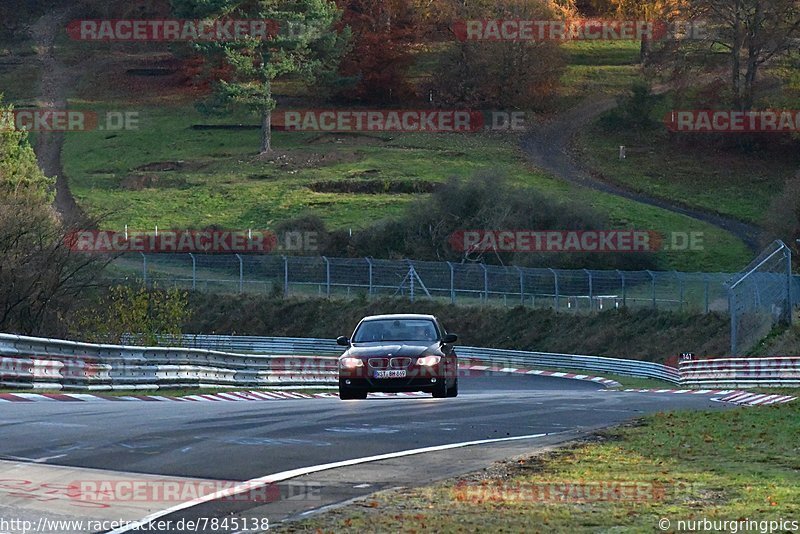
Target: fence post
{"type": "Point", "coordinates": [194, 271]}
{"type": "Point", "coordinates": [521, 285]}
{"type": "Point", "coordinates": [653, 283]}
{"type": "Point", "coordinates": [557, 296]}
{"type": "Point", "coordinates": [624, 289]}
{"type": "Point", "coordinates": [411, 275]}
{"type": "Point", "coordinates": [285, 276]}
{"type": "Point", "coordinates": [327, 276]}
{"type": "Point", "coordinates": [369, 262]}
{"type": "Point", "coordinates": [241, 274]}
{"type": "Point", "coordinates": [485, 283]}
{"type": "Point", "coordinates": [452, 283]}
{"type": "Point", "coordinates": [144, 269]}
{"type": "Point", "coordinates": [789, 305]}
{"type": "Point", "coordinates": [591, 290]}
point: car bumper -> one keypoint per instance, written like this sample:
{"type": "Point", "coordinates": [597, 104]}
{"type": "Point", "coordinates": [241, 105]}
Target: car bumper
{"type": "Point", "coordinates": [391, 384]}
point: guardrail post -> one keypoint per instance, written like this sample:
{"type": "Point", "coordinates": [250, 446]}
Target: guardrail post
{"type": "Point", "coordinates": [557, 296]}
{"type": "Point", "coordinates": [734, 325]}
{"type": "Point", "coordinates": [624, 288]}
{"type": "Point", "coordinates": [521, 285]}
{"type": "Point", "coordinates": [241, 273]}
{"type": "Point", "coordinates": [327, 276]}
{"type": "Point", "coordinates": [144, 268]}
{"type": "Point", "coordinates": [452, 283]}
{"type": "Point", "coordinates": [591, 290]}
{"type": "Point", "coordinates": [285, 276]}
{"type": "Point", "coordinates": [485, 283]}
{"type": "Point", "coordinates": [653, 283]}
{"type": "Point", "coordinates": [194, 271]}
{"type": "Point", "coordinates": [369, 262]}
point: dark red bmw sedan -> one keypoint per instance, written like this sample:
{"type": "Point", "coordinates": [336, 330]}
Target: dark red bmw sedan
{"type": "Point", "coordinates": [398, 353]}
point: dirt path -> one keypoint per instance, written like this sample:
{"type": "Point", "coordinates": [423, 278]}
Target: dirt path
{"type": "Point", "coordinates": [548, 146]}
{"type": "Point", "coordinates": [54, 83]}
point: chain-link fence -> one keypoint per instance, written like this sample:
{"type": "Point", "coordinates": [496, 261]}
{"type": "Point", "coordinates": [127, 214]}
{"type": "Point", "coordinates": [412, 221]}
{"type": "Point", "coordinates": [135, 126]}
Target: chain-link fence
{"type": "Point", "coordinates": [757, 299]}
{"type": "Point", "coordinates": [761, 297]}
{"type": "Point", "coordinates": [562, 290]}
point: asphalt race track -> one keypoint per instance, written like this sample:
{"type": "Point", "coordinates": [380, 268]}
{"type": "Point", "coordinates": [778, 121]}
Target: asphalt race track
{"type": "Point", "coordinates": [50, 448]}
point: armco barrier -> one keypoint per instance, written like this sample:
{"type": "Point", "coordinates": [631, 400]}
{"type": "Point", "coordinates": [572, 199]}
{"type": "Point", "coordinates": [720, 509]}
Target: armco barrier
{"type": "Point", "coordinates": [733, 372]}
{"type": "Point", "coordinates": [742, 372]}
{"type": "Point", "coordinates": [37, 363]}
{"type": "Point", "coordinates": [303, 346]}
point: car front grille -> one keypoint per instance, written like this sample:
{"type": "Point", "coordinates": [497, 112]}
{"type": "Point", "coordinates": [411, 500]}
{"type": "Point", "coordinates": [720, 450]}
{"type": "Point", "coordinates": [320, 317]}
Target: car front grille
{"type": "Point", "coordinates": [387, 363]}
{"type": "Point", "coordinates": [399, 363]}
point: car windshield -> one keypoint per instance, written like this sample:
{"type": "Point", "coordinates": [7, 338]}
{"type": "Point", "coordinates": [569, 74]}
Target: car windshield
{"type": "Point", "coordinates": [396, 330]}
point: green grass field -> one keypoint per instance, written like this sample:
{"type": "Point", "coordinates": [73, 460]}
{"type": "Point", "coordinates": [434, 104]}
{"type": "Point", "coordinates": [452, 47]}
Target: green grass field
{"type": "Point", "coordinates": [722, 465]}
{"type": "Point", "coordinates": [734, 184]}
{"type": "Point", "coordinates": [734, 181]}
{"type": "Point", "coordinates": [221, 182]}
{"type": "Point", "coordinates": [598, 69]}
{"type": "Point", "coordinates": [217, 180]}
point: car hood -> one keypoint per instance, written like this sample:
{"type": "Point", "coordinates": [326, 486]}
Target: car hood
{"type": "Point", "coordinates": [408, 349]}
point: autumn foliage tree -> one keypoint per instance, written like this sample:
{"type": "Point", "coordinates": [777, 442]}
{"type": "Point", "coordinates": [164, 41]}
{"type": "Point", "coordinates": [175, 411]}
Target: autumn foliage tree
{"type": "Point", "coordinates": [381, 51]}
{"type": "Point", "coordinates": [732, 44]}
{"type": "Point", "coordinates": [500, 74]}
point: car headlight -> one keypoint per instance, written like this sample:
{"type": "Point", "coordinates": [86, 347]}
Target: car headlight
{"type": "Point", "coordinates": [351, 363]}
{"type": "Point", "coordinates": [428, 361]}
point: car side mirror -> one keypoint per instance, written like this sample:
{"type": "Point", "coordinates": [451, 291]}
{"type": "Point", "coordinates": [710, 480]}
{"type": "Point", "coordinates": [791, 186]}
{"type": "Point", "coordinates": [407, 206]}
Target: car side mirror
{"type": "Point", "coordinates": [449, 338]}
{"type": "Point", "coordinates": [343, 341]}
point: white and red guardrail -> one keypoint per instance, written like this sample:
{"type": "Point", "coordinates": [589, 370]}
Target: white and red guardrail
{"type": "Point", "coordinates": [51, 364]}
{"type": "Point", "coordinates": [742, 372]}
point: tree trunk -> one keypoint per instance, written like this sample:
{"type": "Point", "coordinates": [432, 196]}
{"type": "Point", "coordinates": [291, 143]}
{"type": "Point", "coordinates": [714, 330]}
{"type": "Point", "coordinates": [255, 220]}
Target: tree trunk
{"type": "Point", "coordinates": [736, 55]}
{"type": "Point", "coordinates": [644, 51]}
{"type": "Point", "coordinates": [748, 98]}
{"type": "Point", "coordinates": [266, 132]}
{"type": "Point", "coordinates": [753, 54]}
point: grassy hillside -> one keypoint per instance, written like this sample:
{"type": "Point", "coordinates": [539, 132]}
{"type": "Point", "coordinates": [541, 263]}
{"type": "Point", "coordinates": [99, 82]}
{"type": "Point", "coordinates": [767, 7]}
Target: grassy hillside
{"type": "Point", "coordinates": [642, 335]}
{"type": "Point", "coordinates": [169, 175]}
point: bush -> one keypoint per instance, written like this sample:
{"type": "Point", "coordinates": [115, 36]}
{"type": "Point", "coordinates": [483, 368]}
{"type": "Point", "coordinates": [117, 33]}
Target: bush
{"type": "Point", "coordinates": [500, 75]}
{"type": "Point", "coordinates": [488, 201]}
{"type": "Point", "coordinates": [635, 111]}
{"type": "Point", "coordinates": [148, 314]}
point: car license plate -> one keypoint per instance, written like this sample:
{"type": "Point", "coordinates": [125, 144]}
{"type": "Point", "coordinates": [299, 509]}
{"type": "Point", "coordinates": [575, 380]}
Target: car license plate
{"type": "Point", "coordinates": [391, 374]}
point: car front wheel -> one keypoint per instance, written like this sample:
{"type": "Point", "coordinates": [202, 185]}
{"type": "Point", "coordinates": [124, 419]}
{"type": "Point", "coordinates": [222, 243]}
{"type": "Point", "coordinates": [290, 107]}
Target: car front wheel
{"type": "Point", "coordinates": [440, 390]}
{"type": "Point", "coordinates": [453, 391]}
